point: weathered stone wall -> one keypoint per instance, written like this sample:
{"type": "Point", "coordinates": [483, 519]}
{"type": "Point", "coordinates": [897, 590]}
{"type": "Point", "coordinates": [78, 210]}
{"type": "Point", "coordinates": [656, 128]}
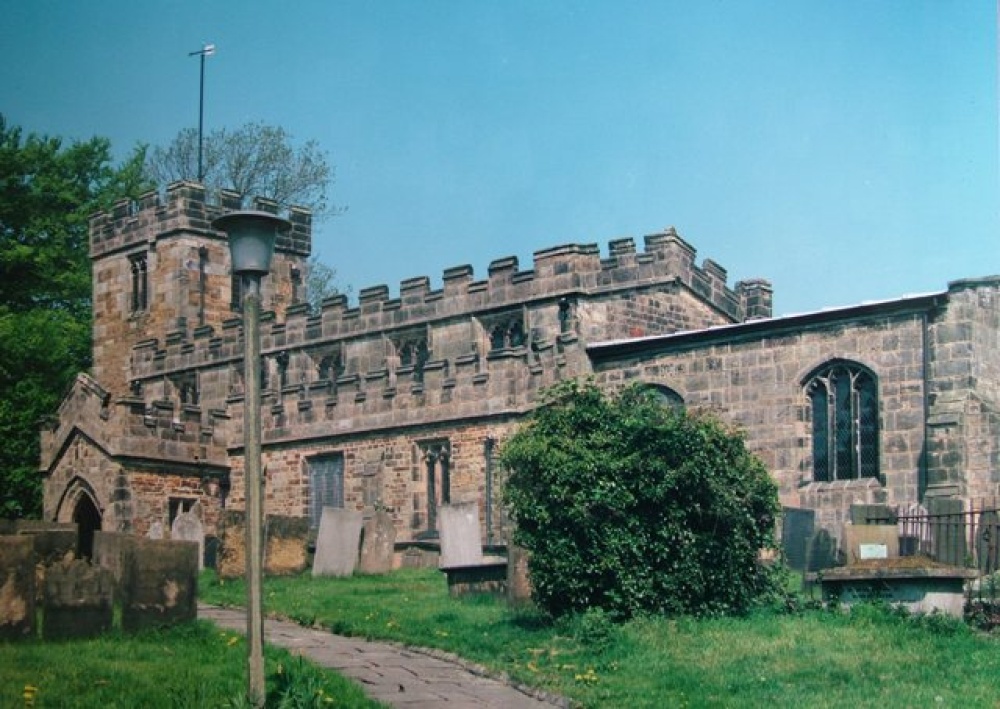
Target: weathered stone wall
{"type": "Point", "coordinates": [753, 377]}
{"type": "Point", "coordinates": [964, 415]}
{"type": "Point", "coordinates": [385, 471]}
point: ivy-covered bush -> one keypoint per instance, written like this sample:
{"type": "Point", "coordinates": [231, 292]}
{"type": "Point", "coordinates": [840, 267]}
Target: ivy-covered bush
{"type": "Point", "coordinates": [629, 506]}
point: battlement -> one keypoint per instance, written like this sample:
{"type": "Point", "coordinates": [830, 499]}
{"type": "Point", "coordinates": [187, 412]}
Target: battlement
{"type": "Point", "coordinates": [465, 312]}
{"type": "Point", "coordinates": [569, 269]}
{"type": "Point", "coordinates": [185, 207]}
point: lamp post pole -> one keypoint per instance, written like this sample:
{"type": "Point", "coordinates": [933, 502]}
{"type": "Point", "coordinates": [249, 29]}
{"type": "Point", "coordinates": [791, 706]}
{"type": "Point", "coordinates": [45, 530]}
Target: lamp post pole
{"type": "Point", "coordinates": [206, 51]}
{"type": "Point", "coordinates": [251, 242]}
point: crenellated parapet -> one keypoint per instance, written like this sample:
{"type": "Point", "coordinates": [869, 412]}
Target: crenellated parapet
{"type": "Point", "coordinates": [418, 356]}
{"type": "Point", "coordinates": [185, 207]}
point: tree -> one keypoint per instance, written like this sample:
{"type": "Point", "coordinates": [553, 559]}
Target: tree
{"type": "Point", "coordinates": [255, 160]}
{"type": "Point", "coordinates": [47, 193]}
{"type": "Point", "coordinates": [321, 283]}
{"type": "Point", "coordinates": [628, 506]}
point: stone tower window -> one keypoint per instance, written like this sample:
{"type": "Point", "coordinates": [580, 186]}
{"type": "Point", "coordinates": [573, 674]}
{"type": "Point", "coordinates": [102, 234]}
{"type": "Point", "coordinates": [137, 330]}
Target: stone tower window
{"type": "Point", "coordinates": [326, 485]}
{"type": "Point", "coordinates": [140, 283]}
{"type": "Point", "coordinates": [843, 399]}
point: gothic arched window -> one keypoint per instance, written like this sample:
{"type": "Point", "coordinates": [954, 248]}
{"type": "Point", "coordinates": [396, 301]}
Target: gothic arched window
{"type": "Point", "coordinates": [843, 398]}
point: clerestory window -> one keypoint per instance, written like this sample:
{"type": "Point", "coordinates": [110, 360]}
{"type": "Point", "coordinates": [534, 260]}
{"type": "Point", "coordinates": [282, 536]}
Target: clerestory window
{"type": "Point", "coordinates": [843, 399]}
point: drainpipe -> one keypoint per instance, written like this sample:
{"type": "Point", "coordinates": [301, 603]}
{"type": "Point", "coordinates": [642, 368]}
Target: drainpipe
{"type": "Point", "coordinates": [488, 446]}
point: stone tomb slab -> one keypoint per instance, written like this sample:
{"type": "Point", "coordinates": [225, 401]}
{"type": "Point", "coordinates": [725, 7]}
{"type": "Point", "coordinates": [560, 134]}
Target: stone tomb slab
{"type": "Point", "coordinates": [337, 542]}
{"type": "Point", "coordinates": [17, 587]}
{"type": "Point", "coordinates": [159, 583]}
{"type": "Point", "coordinates": [78, 600]}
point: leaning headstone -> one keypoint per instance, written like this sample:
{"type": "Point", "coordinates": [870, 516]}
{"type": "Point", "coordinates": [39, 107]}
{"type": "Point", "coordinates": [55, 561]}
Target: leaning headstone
{"type": "Point", "coordinates": [78, 600]}
{"type": "Point", "coordinates": [460, 541]}
{"type": "Point", "coordinates": [947, 518]}
{"type": "Point", "coordinates": [187, 527]}
{"type": "Point", "coordinates": [378, 544]}
{"type": "Point", "coordinates": [797, 527]}
{"type": "Point", "coordinates": [337, 542]}
{"type": "Point", "coordinates": [17, 587]}
{"type": "Point", "coordinates": [159, 583]}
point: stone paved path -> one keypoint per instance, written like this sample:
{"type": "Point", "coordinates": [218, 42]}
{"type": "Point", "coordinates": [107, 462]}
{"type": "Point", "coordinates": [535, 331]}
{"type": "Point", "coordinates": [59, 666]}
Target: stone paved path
{"type": "Point", "coordinates": [390, 673]}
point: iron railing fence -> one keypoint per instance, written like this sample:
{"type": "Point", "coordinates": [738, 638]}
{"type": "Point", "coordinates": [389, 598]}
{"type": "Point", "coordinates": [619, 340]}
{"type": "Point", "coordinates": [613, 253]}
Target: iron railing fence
{"type": "Point", "coordinates": [949, 532]}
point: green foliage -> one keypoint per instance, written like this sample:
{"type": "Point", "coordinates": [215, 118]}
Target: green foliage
{"type": "Point", "coordinates": [47, 193]}
{"type": "Point", "coordinates": [633, 507]}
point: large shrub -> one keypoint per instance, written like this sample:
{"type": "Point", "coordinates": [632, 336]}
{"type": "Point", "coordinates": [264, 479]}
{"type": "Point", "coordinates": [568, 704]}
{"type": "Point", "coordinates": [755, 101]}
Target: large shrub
{"type": "Point", "coordinates": [629, 506]}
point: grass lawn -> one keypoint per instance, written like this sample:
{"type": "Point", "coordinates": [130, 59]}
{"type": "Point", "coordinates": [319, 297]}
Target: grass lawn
{"type": "Point", "coordinates": [816, 658]}
{"type": "Point", "coordinates": [195, 666]}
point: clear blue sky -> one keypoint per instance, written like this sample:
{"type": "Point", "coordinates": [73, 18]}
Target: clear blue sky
{"type": "Point", "coordinates": [845, 149]}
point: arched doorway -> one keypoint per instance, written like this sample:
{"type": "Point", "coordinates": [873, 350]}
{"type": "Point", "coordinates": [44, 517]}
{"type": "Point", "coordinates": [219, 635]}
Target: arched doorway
{"type": "Point", "coordinates": [88, 520]}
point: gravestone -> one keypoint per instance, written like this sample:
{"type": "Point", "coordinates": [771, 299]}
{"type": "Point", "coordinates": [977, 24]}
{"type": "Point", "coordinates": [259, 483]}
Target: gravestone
{"type": "Point", "coordinates": [378, 544]}
{"type": "Point", "coordinates": [988, 542]}
{"type": "Point", "coordinates": [862, 542]}
{"type": "Point", "coordinates": [109, 548]}
{"type": "Point", "coordinates": [159, 583]}
{"type": "Point", "coordinates": [518, 580]}
{"type": "Point", "coordinates": [17, 587]}
{"type": "Point", "coordinates": [187, 527]}
{"type": "Point", "coordinates": [337, 542]}
{"type": "Point", "coordinates": [155, 530]}
{"type": "Point", "coordinates": [798, 526]}
{"type": "Point", "coordinates": [53, 540]}
{"type": "Point", "coordinates": [78, 600]}
{"type": "Point", "coordinates": [460, 542]}
{"type": "Point", "coordinates": [947, 521]}
{"type": "Point", "coordinates": [821, 552]}
{"type": "Point", "coordinates": [285, 545]}
{"type": "Point", "coordinates": [862, 514]}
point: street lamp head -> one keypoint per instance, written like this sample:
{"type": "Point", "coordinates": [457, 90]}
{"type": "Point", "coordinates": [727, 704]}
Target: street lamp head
{"type": "Point", "coordinates": [251, 239]}
{"type": "Point", "coordinates": [208, 50]}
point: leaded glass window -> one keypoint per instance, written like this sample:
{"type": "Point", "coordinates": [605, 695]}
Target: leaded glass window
{"type": "Point", "coordinates": [843, 399]}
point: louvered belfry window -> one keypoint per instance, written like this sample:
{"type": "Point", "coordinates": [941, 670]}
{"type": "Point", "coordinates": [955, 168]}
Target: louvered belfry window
{"type": "Point", "coordinates": [843, 400]}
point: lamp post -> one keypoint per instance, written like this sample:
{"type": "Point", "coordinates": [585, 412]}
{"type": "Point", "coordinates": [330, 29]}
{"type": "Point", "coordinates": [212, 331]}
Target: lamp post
{"type": "Point", "coordinates": [206, 51]}
{"type": "Point", "coordinates": [251, 244]}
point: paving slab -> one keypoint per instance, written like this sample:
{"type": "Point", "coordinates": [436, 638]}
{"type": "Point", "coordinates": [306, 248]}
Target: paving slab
{"type": "Point", "coordinates": [396, 675]}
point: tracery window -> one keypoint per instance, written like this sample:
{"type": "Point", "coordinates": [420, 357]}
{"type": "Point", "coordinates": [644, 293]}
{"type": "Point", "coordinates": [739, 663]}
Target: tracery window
{"type": "Point", "coordinates": [843, 398]}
